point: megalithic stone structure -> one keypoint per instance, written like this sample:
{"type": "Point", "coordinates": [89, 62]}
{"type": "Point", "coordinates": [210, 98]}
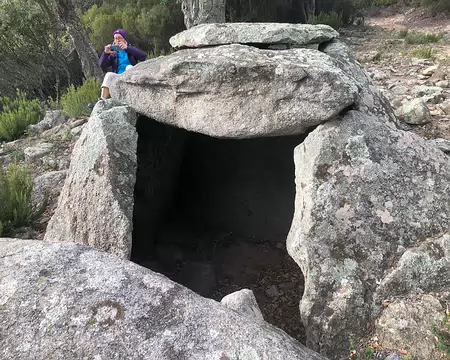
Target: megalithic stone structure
{"type": "Point", "coordinates": [203, 12]}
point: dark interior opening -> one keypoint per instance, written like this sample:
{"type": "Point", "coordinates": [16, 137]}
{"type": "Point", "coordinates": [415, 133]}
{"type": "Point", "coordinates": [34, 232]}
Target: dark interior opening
{"type": "Point", "coordinates": [213, 215]}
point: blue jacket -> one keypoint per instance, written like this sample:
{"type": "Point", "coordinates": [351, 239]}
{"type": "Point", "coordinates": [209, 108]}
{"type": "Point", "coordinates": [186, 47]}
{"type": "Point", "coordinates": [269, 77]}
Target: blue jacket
{"type": "Point", "coordinates": [134, 55]}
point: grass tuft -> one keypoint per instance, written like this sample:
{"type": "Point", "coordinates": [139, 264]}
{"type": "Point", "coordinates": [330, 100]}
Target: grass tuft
{"type": "Point", "coordinates": [16, 208]}
{"type": "Point", "coordinates": [17, 115]}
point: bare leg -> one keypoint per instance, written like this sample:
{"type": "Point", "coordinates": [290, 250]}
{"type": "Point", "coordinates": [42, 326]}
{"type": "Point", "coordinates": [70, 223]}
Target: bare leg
{"type": "Point", "coordinates": [105, 93]}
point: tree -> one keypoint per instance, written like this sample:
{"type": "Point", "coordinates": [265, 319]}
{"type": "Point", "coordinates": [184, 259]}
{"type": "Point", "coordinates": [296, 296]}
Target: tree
{"type": "Point", "coordinates": [33, 49]}
{"type": "Point", "coordinates": [88, 56]}
{"type": "Point", "coordinates": [203, 12]}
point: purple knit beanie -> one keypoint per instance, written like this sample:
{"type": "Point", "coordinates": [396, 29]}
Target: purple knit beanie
{"type": "Point", "coordinates": [121, 32]}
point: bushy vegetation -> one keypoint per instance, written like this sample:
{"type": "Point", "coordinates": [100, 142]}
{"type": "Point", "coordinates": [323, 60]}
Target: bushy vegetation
{"type": "Point", "coordinates": [75, 101]}
{"type": "Point", "coordinates": [17, 114]}
{"type": "Point", "coordinates": [437, 6]}
{"type": "Point", "coordinates": [417, 37]}
{"type": "Point", "coordinates": [33, 48]}
{"type": "Point", "coordinates": [149, 24]}
{"type": "Point", "coordinates": [424, 53]}
{"type": "Point", "coordinates": [442, 333]}
{"type": "Point", "coordinates": [294, 11]}
{"type": "Point", "coordinates": [16, 208]}
{"type": "Point", "coordinates": [332, 19]}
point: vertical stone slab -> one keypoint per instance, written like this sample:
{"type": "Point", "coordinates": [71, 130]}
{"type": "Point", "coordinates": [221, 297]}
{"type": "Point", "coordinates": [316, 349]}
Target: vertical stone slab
{"type": "Point", "coordinates": [96, 204]}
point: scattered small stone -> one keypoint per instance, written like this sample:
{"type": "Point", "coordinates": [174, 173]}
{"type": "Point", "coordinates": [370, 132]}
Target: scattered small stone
{"type": "Point", "coordinates": [421, 90]}
{"type": "Point", "coordinates": [273, 291]}
{"type": "Point", "coordinates": [443, 83]}
{"type": "Point", "coordinates": [393, 357]}
{"type": "Point", "coordinates": [396, 103]}
{"type": "Point", "coordinates": [430, 70]}
{"type": "Point", "coordinates": [435, 98]}
{"type": "Point", "coordinates": [400, 90]}
{"type": "Point", "coordinates": [415, 112]}
{"type": "Point", "coordinates": [51, 119]}
{"type": "Point", "coordinates": [445, 107]}
{"type": "Point", "coordinates": [244, 302]}
{"type": "Point", "coordinates": [37, 152]}
{"type": "Point", "coordinates": [379, 76]}
{"type": "Point", "coordinates": [47, 184]}
{"type": "Point", "coordinates": [436, 112]}
{"type": "Point", "coordinates": [422, 77]}
{"type": "Point", "coordinates": [76, 123]}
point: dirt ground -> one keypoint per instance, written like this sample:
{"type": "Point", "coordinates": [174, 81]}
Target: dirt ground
{"type": "Point", "coordinates": [380, 47]}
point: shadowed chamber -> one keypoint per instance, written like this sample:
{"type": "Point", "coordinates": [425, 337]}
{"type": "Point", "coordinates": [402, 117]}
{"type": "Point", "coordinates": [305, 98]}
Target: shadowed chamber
{"type": "Point", "coordinates": [213, 215]}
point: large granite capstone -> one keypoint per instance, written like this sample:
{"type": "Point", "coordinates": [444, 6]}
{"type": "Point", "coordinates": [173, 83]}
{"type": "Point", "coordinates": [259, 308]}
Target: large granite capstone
{"type": "Point", "coordinates": [238, 91]}
{"type": "Point", "coordinates": [253, 33]}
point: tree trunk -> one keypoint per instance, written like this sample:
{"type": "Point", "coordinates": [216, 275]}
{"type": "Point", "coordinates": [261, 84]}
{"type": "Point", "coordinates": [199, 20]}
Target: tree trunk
{"type": "Point", "coordinates": [202, 12]}
{"type": "Point", "coordinates": [85, 49]}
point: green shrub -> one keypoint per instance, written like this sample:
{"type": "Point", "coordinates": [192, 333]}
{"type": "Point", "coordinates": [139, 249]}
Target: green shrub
{"type": "Point", "coordinates": [332, 19]}
{"type": "Point", "coordinates": [149, 24]}
{"type": "Point", "coordinates": [424, 53]}
{"type": "Point", "coordinates": [415, 38]}
{"type": "Point", "coordinates": [17, 115]}
{"type": "Point", "coordinates": [437, 6]}
{"type": "Point", "coordinates": [16, 208]}
{"type": "Point", "coordinates": [442, 333]}
{"type": "Point", "coordinates": [75, 101]}
{"type": "Point", "coordinates": [403, 33]}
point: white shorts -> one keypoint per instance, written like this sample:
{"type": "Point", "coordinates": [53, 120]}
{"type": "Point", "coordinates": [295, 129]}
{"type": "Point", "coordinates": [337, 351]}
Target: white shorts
{"type": "Point", "coordinates": [110, 76]}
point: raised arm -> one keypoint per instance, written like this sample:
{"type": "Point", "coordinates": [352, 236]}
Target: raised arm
{"type": "Point", "coordinates": [105, 60]}
{"type": "Point", "coordinates": [138, 54]}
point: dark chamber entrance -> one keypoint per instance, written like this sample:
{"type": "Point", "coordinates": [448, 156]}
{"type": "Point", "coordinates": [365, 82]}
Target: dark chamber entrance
{"type": "Point", "coordinates": [213, 215]}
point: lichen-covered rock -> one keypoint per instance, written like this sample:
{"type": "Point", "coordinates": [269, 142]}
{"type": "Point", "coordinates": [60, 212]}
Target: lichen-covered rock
{"type": "Point", "coordinates": [52, 118]}
{"type": "Point", "coordinates": [366, 192]}
{"type": "Point", "coordinates": [253, 33]}
{"type": "Point", "coordinates": [415, 112]}
{"type": "Point", "coordinates": [407, 323]}
{"type": "Point", "coordinates": [370, 100]}
{"type": "Point", "coordinates": [238, 91]}
{"type": "Point", "coordinates": [37, 152]}
{"type": "Point", "coordinates": [421, 269]}
{"type": "Point", "coordinates": [96, 204]}
{"type": "Point", "coordinates": [47, 185]}
{"type": "Point", "coordinates": [68, 301]}
{"type": "Point", "coordinates": [244, 302]}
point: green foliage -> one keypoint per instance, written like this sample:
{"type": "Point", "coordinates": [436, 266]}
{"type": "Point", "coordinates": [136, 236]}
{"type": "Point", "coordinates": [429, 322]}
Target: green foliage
{"type": "Point", "coordinates": [370, 352]}
{"type": "Point", "coordinates": [403, 33]}
{"type": "Point", "coordinates": [17, 115]}
{"type": "Point", "coordinates": [16, 208]}
{"type": "Point", "coordinates": [437, 6]}
{"type": "Point", "coordinates": [424, 53]}
{"type": "Point", "coordinates": [33, 46]}
{"type": "Point", "coordinates": [442, 333]}
{"type": "Point", "coordinates": [149, 24]}
{"type": "Point", "coordinates": [417, 38]}
{"type": "Point", "coordinates": [332, 19]}
{"type": "Point", "coordinates": [75, 101]}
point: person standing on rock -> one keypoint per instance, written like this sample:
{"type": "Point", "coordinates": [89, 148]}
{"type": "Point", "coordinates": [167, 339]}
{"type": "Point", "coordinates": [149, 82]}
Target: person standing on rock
{"type": "Point", "coordinates": [121, 56]}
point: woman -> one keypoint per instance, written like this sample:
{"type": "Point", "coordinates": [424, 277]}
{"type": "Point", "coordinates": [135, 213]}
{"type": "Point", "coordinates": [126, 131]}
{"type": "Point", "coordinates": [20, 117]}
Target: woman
{"type": "Point", "coordinates": [120, 56]}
